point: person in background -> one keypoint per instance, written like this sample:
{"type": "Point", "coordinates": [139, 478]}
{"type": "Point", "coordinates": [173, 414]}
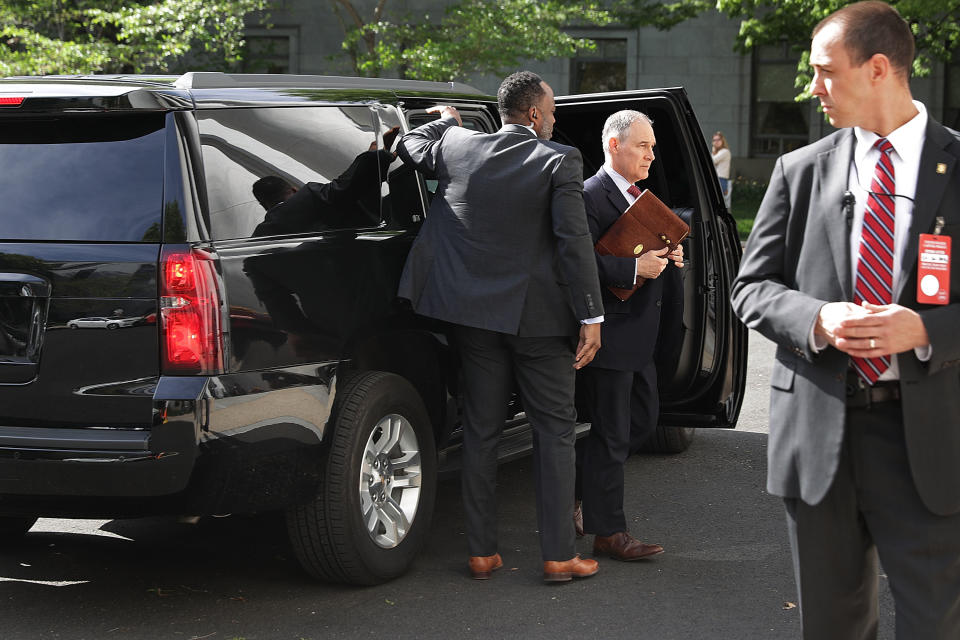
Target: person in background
{"type": "Point", "coordinates": [721, 162]}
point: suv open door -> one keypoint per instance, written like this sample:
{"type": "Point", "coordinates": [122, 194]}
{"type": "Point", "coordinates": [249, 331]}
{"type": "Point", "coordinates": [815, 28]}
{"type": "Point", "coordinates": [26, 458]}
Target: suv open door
{"type": "Point", "coordinates": [702, 372]}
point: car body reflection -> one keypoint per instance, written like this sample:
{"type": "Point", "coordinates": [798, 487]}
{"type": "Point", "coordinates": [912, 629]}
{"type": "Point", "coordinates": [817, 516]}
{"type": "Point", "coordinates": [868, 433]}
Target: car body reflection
{"type": "Point", "coordinates": [98, 322]}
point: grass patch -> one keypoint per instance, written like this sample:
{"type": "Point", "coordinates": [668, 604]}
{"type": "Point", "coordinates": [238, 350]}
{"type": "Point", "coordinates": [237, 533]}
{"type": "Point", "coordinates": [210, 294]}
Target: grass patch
{"type": "Point", "coordinates": [744, 202]}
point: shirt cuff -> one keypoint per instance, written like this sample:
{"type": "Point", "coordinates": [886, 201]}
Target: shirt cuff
{"type": "Point", "coordinates": [817, 343]}
{"type": "Point", "coordinates": [635, 272]}
{"type": "Point", "coordinates": [923, 353]}
{"type": "Point", "coordinates": [596, 320]}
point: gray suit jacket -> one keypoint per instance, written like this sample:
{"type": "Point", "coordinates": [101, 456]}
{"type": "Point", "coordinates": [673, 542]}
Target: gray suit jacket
{"type": "Point", "coordinates": [796, 260]}
{"type": "Point", "coordinates": [505, 245]}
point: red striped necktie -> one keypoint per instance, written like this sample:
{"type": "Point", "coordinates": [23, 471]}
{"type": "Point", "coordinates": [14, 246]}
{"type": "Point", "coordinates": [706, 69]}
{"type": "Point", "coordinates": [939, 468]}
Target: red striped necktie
{"type": "Point", "coordinates": [875, 266]}
{"type": "Point", "coordinates": [634, 190]}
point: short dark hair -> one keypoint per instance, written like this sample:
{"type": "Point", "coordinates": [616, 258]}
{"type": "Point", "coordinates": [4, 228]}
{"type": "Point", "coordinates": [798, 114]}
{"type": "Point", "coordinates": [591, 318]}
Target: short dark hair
{"type": "Point", "coordinates": [518, 92]}
{"type": "Point", "coordinates": [872, 27]}
{"type": "Point", "coordinates": [271, 191]}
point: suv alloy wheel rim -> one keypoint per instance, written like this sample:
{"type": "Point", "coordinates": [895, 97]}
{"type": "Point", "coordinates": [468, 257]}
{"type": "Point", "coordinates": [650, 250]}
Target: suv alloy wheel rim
{"type": "Point", "coordinates": [390, 477]}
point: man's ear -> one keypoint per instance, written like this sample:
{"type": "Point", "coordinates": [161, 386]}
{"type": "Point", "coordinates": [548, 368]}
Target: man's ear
{"type": "Point", "coordinates": [879, 66]}
{"type": "Point", "coordinates": [613, 145]}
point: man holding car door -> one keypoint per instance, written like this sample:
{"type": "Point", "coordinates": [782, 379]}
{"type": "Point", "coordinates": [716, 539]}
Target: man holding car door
{"type": "Point", "coordinates": [505, 256]}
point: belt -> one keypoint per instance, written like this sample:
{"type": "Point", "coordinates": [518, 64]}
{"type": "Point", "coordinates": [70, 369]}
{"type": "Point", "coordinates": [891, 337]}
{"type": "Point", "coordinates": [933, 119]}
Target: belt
{"type": "Point", "coordinates": [860, 394]}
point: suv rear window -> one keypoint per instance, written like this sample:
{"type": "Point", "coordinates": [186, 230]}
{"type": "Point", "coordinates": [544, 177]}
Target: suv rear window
{"type": "Point", "coordinates": [315, 168]}
{"type": "Point", "coordinates": [95, 178]}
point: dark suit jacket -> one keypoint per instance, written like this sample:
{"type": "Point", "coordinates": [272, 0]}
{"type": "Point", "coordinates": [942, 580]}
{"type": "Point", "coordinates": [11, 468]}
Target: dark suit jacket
{"type": "Point", "coordinates": [505, 245]}
{"type": "Point", "coordinates": [631, 327]}
{"type": "Point", "coordinates": [796, 260]}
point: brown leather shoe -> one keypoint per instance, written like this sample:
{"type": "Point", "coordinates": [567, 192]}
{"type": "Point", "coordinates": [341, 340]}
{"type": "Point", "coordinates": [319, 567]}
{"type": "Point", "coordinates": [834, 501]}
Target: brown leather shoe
{"type": "Point", "coordinates": [482, 566]}
{"type": "Point", "coordinates": [575, 567]}
{"type": "Point", "coordinates": [623, 546]}
{"type": "Point", "coordinates": [578, 518]}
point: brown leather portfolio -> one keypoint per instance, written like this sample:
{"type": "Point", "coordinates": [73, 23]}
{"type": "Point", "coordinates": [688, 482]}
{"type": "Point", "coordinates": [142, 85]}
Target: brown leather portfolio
{"type": "Point", "coordinates": [646, 225]}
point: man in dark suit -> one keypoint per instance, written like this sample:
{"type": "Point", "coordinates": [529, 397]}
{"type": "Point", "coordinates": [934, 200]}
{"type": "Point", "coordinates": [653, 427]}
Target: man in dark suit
{"type": "Point", "coordinates": [505, 256]}
{"type": "Point", "coordinates": [865, 400]}
{"type": "Point", "coordinates": [620, 385]}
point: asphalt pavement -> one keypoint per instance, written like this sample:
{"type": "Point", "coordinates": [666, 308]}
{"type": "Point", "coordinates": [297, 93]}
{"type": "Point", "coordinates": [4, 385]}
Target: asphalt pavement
{"type": "Point", "coordinates": [725, 574]}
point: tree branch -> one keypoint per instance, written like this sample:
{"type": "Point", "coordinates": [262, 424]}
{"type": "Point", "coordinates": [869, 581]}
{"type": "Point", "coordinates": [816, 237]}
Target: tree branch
{"type": "Point", "coordinates": [353, 12]}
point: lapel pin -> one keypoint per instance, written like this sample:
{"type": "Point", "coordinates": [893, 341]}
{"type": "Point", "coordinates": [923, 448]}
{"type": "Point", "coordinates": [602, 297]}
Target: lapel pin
{"type": "Point", "coordinates": [941, 168]}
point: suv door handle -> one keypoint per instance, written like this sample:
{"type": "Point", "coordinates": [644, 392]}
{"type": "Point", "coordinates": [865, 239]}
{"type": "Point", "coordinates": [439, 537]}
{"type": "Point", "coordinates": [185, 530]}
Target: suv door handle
{"type": "Point", "coordinates": [23, 285]}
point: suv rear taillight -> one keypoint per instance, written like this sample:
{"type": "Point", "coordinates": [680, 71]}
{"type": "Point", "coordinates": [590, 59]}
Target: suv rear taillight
{"type": "Point", "coordinates": [191, 338]}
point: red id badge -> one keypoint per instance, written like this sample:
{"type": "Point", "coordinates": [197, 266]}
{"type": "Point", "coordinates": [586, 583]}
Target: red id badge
{"type": "Point", "coordinates": [933, 269]}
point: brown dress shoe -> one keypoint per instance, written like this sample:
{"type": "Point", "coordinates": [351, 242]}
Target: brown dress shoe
{"type": "Point", "coordinates": [575, 567]}
{"type": "Point", "coordinates": [482, 566]}
{"type": "Point", "coordinates": [623, 546]}
{"type": "Point", "coordinates": [578, 518]}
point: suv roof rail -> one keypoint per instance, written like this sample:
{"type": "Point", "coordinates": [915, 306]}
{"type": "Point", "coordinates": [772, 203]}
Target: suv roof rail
{"type": "Point", "coordinates": [140, 78]}
{"type": "Point", "coordinates": [218, 80]}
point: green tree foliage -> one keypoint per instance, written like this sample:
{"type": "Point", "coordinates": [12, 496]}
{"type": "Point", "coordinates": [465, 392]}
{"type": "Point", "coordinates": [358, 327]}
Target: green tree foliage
{"type": "Point", "coordinates": [934, 24]}
{"type": "Point", "coordinates": [117, 36]}
{"type": "Point", "coordinates": [473, 37]}
{"type": "Point", "coordinates": [662, 15]}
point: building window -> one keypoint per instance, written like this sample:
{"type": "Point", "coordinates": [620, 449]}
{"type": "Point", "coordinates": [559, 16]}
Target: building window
{"type": "Point", "coordinates": [778, 123]}
{"type": "Point", "coordinates": [270, 51]}
{"type": "Point", "coordinates": [603, 69]}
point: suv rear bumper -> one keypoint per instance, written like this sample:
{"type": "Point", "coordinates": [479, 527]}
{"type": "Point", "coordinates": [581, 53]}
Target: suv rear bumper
{"type": "Point", "coordinates": [97, 462]}
{"type": "Point", "coordinates": [207, 451]}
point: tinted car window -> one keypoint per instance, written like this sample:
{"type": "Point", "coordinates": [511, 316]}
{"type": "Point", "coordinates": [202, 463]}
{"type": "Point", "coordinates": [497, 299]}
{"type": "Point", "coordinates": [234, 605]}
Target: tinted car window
{"type": "Point", "coordinates": [314, 168]}
{"type": "Point", "coordinates": [89, 178]}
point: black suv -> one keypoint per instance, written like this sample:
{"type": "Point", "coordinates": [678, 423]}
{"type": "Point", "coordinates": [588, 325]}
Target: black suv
{"type": "Point", "coordinates": [172, 343]}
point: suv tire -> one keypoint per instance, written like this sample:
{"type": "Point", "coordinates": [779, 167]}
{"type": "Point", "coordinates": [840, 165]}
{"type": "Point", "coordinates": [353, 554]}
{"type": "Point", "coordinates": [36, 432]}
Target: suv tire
{"type": "Point", "coordinates": [668, 440]}
{"type": "Point", "coordinates": [13, 528]}
{"type": "Point", "coordinates": [373, 509]}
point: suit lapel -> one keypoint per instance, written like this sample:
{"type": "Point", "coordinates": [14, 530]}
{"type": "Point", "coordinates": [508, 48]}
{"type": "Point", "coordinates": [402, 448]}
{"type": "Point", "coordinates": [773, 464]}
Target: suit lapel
{"type": "Point", "coordinates": [830, 183]}
{"type": "Point", "coordinates": [613, 193]}
{"type": "Point", "coordinates": [930, 187]}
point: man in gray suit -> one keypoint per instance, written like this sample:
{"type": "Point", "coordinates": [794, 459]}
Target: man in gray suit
{"type": "Point", "coordinates": [505, 256]}
{"type": "Point", "coordinates": [865, 400]}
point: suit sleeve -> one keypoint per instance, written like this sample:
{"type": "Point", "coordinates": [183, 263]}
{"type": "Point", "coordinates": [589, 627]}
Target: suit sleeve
{"type": "Point", "coordinates": [421, 147]}
{"type": "Point", "coordinates": [764, 295]}
{"type": "Point", "coordinates": [613, 270]}
{"type": "Point", "coordinates": [574, 244]}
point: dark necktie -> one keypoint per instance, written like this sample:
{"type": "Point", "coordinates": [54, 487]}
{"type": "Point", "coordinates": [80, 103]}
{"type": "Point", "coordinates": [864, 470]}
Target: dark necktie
{"type": "Point", "coordinates": [875, 266]}
{"type": "Point", "coordinates": [634, 190]}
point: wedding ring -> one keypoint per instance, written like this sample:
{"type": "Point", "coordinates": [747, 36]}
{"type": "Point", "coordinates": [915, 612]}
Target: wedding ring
{"type": "Point", "coordinates": [873, 343]}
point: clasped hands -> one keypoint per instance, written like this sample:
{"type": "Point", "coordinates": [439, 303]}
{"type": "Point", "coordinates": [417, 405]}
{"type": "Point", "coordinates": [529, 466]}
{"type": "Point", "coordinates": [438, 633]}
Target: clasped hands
{"type": "Point", "coordinates": [652, 263]}
{"type": "Point", "coordinates": [870, 330]}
